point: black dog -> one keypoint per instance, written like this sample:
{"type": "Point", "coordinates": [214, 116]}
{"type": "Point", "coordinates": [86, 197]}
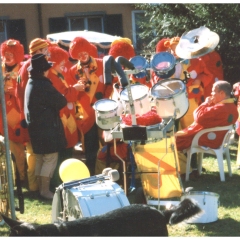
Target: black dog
{"type": "Point", "coordinates": [132, 220]}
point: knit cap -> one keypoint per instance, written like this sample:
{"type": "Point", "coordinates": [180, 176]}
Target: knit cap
{"type": "Point", "coordinates": [36, 44]}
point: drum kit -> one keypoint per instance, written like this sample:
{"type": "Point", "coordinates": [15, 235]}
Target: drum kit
{"type": "Point", "coordinates": [168, 97]}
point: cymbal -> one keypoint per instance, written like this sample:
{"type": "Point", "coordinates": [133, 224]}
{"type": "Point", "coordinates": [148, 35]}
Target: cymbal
{"type": "Point", "coordinates": [196, 43]}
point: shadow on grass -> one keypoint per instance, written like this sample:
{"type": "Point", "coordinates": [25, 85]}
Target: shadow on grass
{"type": "Point", "coordinates": [222, 227]}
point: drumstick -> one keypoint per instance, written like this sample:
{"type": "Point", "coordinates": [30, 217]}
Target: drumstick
{"type": "Point", "coordinates": [167, 88]}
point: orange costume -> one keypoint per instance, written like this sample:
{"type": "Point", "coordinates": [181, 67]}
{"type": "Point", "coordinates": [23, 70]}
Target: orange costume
{"type": "Point", "coordinates": [199, 79]}
{"type": "Point", "coordinates": [214, 65]}
{"type": "Point", "coordinates": [61, 83]}
{"type": "Point", "coordinates": [12, 53]}
{"type": "Point", "coordinates": [90, 72]}
{"type": "Point", "coordinates": [123, 47]}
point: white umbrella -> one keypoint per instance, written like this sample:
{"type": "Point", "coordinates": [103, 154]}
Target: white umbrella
{"type": "Point", "coordinates": [93, 37]}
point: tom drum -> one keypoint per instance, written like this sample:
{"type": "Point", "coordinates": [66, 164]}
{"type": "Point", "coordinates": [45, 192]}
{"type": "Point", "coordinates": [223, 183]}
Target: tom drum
{"type": "Point", "coordinates": [163, 64]}
{"type": "Point", "coordinates": [106, 113]}
{"type": "Point", "coordinates": [140, 96]}
{"type": "Point", "coordinates": [141, 64]}
{"type": "Point", "coordinates": [170, 96]}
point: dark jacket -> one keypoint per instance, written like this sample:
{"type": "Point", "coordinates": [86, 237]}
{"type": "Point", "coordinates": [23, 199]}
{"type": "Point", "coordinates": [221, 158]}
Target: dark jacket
{"type": "Point", "coordinates": [41, 109]}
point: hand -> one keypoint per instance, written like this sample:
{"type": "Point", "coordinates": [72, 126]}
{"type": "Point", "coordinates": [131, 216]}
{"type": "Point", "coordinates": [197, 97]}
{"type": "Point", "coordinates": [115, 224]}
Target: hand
{"type": "Point", "coordinates": [80, 86]}
{"type": "Point", "coordinates": [209, 100]}
{"type": "Point", "coordinates": [10, 91]}
{"type": "Point", "coordinates": [236, 85]}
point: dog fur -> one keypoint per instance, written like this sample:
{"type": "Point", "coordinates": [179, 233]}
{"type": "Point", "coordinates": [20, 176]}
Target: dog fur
{"type": "Point", "coordinates": [132, 220]}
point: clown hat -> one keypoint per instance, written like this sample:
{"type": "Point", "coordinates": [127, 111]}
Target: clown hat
{"type": "Point", "coordinates": [15, 47]}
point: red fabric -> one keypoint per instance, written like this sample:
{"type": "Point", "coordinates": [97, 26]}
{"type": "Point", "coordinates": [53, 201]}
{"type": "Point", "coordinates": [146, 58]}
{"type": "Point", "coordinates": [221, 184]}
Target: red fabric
{"type": "Point", "coordinates": [121, 150]}
{"type": "Point", "coordinates": [147, 119]}
{"type": "Point", "coordinates": [16, 126]}
{"type": "Point", "coordinates": [203, 74]}
{"type": "Point", "coordinates": [86, 100]}
{"type": "Point", "coordinates": [68, 112]}
{"type": "Point", "coordinates": [208, 116]}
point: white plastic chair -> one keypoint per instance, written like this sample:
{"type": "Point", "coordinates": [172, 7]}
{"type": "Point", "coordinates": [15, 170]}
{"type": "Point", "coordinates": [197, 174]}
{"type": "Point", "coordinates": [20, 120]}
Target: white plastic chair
{"type": "Point", "coordinates": [223, 149]}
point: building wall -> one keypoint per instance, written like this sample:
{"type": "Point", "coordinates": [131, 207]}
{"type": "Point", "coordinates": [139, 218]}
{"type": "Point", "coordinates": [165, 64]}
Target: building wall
{"type": "Point", "coordinates": [23, 11]}
{"type": "Point", "coordinates": [30, 13]}
{"type": "Point", "coordinates": [59, 10]}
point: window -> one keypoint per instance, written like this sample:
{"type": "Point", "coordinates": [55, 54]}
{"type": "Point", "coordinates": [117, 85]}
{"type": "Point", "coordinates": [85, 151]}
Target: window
{"type": "Point", "coordinates": [139, 43]}
{"type": "Point", "coordinates": [3, 32]}
{"type": "Point", "coordinates": [90, 22]}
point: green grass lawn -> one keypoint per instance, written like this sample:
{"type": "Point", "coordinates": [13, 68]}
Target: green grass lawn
{"type": "Point", "coordinates": [228, 224]}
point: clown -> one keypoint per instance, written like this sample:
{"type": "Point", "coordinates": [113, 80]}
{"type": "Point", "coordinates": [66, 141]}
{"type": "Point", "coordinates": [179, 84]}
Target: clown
{"type": "Point", "coordinates": [58, 75]}
{"type": "Point", "coordinates": [123, 47]}
{"type": "Point", "coordinates": [12, 54]}
{"type": "Point", "coordinates": [160, 47]}
{"type": "Point", "coordinates": [199, 78]}
{"type": "Point", "coordinates": [89, 71]}
{"type": "Point", "coordinates": [214, 64]}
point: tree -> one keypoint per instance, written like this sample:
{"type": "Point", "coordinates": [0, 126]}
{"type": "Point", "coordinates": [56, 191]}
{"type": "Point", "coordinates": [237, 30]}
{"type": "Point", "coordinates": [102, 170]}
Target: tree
{"type": "Point", "coordinates": [170, 20]}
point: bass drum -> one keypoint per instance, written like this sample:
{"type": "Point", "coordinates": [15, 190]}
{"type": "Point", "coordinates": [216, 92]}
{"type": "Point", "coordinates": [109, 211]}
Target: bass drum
{"type": "Point", "coordinates": [163, 64]}
{"type": "Point", "coordinates": [87, 200]}
{"type": "Point", "coordinates": [170, 97]}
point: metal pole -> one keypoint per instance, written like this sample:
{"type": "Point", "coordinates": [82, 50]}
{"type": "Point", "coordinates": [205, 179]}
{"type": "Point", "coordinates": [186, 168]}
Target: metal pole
{"type": "Point", "coordinates": [8, 158]}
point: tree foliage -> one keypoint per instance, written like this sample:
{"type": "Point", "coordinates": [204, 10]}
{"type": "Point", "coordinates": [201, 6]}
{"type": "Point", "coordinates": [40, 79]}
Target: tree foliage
{"type": "Point", "coordinates": [170, 20]}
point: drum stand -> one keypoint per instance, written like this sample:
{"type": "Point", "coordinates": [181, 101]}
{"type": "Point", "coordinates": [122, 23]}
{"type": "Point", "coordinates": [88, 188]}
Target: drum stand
{"type": "Point", "coordinates": [140, 134]}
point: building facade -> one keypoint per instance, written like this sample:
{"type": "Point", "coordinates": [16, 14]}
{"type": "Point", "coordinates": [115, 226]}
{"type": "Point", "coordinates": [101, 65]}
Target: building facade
{"type": "Point", "coordinates": [25, 22]}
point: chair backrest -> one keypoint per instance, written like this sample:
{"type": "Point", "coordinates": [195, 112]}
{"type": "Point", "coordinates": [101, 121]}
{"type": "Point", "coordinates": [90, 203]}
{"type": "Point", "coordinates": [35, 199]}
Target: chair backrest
{"type": "Point", "coordinates": [226, 138]}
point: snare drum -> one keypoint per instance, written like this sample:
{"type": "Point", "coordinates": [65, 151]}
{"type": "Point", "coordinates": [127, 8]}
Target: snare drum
{"type": "Point", "coordinates": [208, 202]}
{"type": "Point", "coordinates": [170, 95]}
{"type": "Point", "coordinates": [106, 113]}
{"type": "Point", "coordinates": [88, 200]}
{"type": "Point", "coordinates": [163, 64]}
{"type": "Point", "coordinates": [140, 63]}
{"type": "Point", "coordinates": [141, 101]}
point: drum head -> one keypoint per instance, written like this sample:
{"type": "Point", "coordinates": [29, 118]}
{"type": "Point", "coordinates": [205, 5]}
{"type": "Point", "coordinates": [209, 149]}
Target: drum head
{"type": "Point", "coordinates": [138, 91]}
{"type": "Point", "coordinates": [105, 105]}
{"type": "Point", "coordinates": [139, 63]}
{"type": "Point", "coordinates": [163, 64]}
{"type": "Point", "coordinates": [167, 88]}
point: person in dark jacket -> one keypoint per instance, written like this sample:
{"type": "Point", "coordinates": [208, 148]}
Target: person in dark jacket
{"type": "Point", "coordinates": [41, 108]}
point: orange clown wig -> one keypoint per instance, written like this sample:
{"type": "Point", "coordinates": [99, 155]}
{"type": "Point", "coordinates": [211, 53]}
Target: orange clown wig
{"type": "Point", "coordinates": [79, 44]}
{"type": "Point", "coordinates": [57, 54]}
{"type": "Point", "coordinates": [15, 47]}
{"type": "Point", "coordinates": [122, 47]}
{"type": "Point", "coordinates": [160, 47]}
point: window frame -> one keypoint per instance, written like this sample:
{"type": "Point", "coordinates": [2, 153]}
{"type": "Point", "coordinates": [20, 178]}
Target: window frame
{"type": "Point", "coordinates": [85, 16]}
{"type": "Point", "coordinates": [4, 20]}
